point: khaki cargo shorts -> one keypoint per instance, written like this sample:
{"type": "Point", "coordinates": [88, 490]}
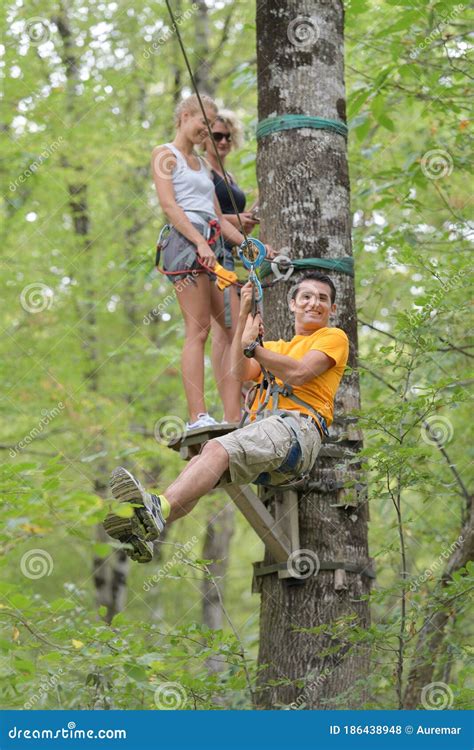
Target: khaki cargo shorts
{"type": "Point", "coordinates": [262, 446]}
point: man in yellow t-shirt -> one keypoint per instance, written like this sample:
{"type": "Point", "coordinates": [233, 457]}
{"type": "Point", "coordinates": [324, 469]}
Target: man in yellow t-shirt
{"type": "Point", "coordinates": [273, 449]}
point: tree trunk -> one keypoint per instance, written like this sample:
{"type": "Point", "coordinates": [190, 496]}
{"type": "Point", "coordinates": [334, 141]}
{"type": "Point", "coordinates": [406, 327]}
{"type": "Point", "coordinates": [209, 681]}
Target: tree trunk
{"type": "Point", "coordinates": [304, 199]}
{"type": "Point", "coordinates": [110, 573]}
{"type": "Point", "coordinates": [219, 531]}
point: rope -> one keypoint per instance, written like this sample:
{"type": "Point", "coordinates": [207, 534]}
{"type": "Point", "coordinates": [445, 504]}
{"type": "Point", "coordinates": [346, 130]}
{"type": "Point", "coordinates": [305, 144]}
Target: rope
{"type": "Point", "coordinates": [231, 195]}
{"type": "Point", "coordinates": [290, 122]}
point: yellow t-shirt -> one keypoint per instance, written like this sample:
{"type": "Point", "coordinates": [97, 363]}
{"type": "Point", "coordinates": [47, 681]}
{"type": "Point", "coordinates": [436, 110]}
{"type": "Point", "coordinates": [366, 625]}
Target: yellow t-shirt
{"type": "Point", "coordinates": [320, 391]}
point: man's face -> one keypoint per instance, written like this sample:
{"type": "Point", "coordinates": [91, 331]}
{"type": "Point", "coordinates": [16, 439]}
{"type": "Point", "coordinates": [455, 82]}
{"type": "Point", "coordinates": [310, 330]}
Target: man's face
{"type": "Point", "coordinates": [312, 305]}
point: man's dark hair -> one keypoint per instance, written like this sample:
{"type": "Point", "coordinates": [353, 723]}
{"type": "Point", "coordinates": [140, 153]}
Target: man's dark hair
{"type": "Point", "coordinates": [315, 276]}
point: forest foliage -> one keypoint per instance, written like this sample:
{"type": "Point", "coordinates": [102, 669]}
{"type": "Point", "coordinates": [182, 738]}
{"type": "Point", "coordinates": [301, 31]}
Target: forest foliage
{"type": "Point", "coordinates": [91, 380]}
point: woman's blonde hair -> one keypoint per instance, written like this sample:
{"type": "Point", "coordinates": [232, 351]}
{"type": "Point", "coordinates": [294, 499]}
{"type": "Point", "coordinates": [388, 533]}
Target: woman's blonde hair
{"type": "Point", "coordinates": [232, 122]}
{"type": "Point", "coordinates": [191, 105]}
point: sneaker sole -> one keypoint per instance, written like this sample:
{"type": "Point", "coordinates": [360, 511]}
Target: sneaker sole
{"type": "Point", "coordinates": [135, 548]}
{"type": "Point", "coordinates": [144, 523]}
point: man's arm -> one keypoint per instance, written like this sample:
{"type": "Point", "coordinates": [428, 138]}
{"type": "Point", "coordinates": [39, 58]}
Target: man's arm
{"type": "Point", "coordinates": [294, 371]}
{"type": "Point", "coordinates": [287, 369]}
{"type": "Point", "coordinates": [242, 367]}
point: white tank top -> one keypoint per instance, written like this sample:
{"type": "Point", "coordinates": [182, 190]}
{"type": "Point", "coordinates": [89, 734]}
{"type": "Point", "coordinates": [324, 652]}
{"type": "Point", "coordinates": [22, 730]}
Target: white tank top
{"type": "Point", "coordinates": [194, 190]}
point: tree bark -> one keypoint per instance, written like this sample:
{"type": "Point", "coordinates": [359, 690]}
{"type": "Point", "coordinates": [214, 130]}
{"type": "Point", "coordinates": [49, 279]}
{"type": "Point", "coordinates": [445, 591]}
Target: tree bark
{"type": "Point", "coordinates": [304, 200]}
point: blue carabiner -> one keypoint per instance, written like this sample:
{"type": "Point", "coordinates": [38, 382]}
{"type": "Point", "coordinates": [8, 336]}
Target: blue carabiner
{"type": "Point", "coordinates": [253, 278]}
{"type": "Point", "coordinates": [258, 249]}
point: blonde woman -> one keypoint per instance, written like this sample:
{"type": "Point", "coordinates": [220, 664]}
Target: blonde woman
{"type": "Point", "coordinates": [186, 193]}
{"type": "Point", "coordinates": [227, 135]}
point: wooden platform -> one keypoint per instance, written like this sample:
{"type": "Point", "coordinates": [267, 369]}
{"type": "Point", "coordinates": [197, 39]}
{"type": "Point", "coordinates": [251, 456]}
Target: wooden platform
{"type": "Point", "coordinates": [192, 441]}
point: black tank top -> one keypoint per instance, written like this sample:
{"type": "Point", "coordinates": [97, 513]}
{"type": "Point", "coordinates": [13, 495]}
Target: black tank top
{"type": "Point", "coordinates": [223, 196]}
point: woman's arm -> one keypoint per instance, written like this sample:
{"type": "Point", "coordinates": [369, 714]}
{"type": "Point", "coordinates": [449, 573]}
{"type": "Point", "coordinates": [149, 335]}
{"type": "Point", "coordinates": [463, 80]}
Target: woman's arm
{"type": "Point", "coordinates": [245, 218]}
{"type": "Point", "coordinates": [163, 164]}
{"type": "Point", "coordinates": [230, 232]}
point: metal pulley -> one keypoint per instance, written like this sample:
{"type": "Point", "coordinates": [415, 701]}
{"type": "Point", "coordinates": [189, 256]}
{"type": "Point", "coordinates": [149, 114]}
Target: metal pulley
{"type": "Point", "coordinates": [252, 253]}
{"type": "Point", "coordinates": [282, 267]}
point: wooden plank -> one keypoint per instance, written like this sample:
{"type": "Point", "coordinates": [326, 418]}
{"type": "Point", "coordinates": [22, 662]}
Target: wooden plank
{"type": "Point", "coordinates": [286, 516]}
{"type": "Point", "coordinates": [260, 520]}
{"type": "Point", "coordinates": [196, 438]}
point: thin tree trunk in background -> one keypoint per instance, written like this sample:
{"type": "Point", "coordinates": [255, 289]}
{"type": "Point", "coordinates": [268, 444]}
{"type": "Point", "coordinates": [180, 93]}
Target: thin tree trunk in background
{"type": "Point", "coordinates": [202, 50]}
{"type": "Point", "coordinates": [304, 201]}
{"type": "Point", "coordinates": [110, 573]}
{"type": "Point", "coordinates": [219, 532]}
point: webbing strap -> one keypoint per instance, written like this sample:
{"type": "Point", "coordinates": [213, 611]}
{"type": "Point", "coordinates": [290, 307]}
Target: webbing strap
{"type": "Point", "coordinates": [287, 392]}
{"type": "Point", "coordinates": [291, 122]}
{"type": "Point", "coordinates": [340, 265]}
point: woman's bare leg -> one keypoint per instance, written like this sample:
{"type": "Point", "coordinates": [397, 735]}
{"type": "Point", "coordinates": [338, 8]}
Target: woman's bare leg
{"type": "Point", "coordinates": [194, 301]}
{"type": "Point", "coordinates": [229, 388]}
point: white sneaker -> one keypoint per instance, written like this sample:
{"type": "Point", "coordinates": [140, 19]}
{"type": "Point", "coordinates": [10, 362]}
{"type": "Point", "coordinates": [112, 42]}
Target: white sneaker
{"type": "Point", "coordinates": [203, 420]}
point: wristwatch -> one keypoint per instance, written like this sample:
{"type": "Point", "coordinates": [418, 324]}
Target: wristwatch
{"type": "Point", "coordinates": [249, 350]}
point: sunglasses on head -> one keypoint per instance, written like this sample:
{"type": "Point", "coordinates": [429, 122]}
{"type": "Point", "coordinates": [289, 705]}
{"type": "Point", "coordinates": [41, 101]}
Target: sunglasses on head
{"type": "Point", "coordinates": [218, 137]}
